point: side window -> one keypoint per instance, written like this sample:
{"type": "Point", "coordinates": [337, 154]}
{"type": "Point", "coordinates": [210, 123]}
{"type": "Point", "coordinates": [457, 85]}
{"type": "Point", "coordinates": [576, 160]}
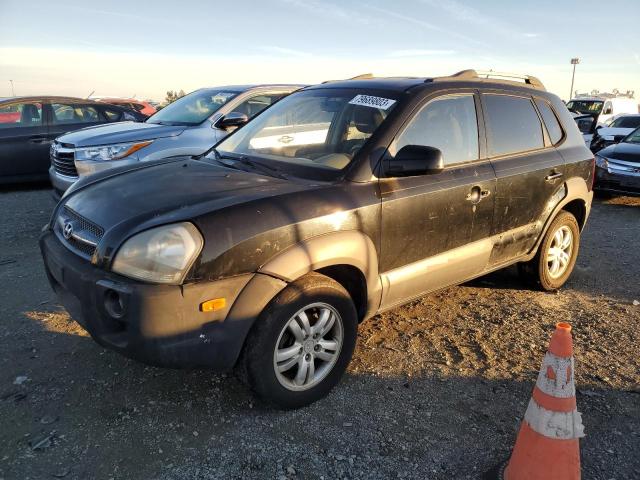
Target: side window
{"type": "Point", "coordinates": [448, 123]}
{"type": "Point", "coordinates": [21, 115]}
{"type": "Point", "coordinates": [112, 115]}
{"type": "Point", "coordinates": [66, 113]}
{"type": "Point", "coordinates": [254, 105]}
{"type": "Point", "coordinates": [512, 123]}
{"type": "Point", "coordinates": [550, 121]}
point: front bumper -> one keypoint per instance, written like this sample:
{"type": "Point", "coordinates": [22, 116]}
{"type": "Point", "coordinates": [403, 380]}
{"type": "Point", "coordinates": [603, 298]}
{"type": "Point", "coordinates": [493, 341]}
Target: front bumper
{"type": "Point", "coordinates": [617, 183]}
{"type": "Point", "coordinates": [60, 182]}
{"type": "Point", "coordinates": [157, 324]}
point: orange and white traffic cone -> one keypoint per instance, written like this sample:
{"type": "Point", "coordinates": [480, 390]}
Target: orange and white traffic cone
{"type": "Point", "coordinates": [547, 447]}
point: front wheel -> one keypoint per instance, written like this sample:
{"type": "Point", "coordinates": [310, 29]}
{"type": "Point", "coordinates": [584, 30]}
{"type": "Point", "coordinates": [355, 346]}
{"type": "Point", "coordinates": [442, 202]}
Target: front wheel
{"type": "Point", "coordinates": [301, 343]}
{"type": "Point", "coordinates": [556, 256]}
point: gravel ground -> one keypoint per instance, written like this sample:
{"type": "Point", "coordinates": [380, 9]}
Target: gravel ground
{"type": "Point", "coordinates": [436, 389]}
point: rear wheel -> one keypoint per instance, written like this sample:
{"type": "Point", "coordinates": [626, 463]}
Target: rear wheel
{"type": "Point", "coordinates": [556, 256]}
{"type": "Point", "coordinates": [302, 342]}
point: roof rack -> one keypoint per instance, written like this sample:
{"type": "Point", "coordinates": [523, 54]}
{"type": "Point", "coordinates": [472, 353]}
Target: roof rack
{"type": "Point", "coordinates": [500, 76]}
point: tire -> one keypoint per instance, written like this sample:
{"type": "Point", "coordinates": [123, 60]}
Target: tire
{"type": "Point", "coordinates": [541, 271]}
{"type": "Point", "coordinates": [282, 347]}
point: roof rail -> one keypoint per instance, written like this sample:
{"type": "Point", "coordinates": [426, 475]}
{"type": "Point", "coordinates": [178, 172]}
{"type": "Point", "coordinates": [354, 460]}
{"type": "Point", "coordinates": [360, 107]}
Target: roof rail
{"type": "Point", "coordinates": [362, 76]}
{"type": "Point", "coordinates": [528, 79]}
{"type": "Point", "coordinates": [509, 77]}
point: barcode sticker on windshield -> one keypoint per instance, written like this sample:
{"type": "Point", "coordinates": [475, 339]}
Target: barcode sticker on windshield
{"type": "Point", "coordinates": [375, 102]}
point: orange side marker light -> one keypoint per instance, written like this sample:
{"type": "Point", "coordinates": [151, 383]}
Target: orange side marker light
{"type": "Point", "coordinates": [213, 305]}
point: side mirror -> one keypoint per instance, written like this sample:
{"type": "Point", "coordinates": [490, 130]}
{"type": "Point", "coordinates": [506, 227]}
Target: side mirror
{"type": "Point", "coordinates": [607, 111]}
{"type": "Point", "coordinates": [232, 119]}
{"type": "Point", "coordinates": [415, 160]}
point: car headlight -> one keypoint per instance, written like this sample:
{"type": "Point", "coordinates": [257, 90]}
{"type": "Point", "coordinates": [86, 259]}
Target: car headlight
{"type": "Point", "coordinates": [601, 162]}
{"type": "Point", "coordinates": [110, 152]}
{"type": "Point", "coordinates": [160, 255]}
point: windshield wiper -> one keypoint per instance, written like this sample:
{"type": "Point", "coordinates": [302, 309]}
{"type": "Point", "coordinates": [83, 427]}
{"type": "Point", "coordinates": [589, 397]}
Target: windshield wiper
{"type": "Point", "coordinates": [243, 159]}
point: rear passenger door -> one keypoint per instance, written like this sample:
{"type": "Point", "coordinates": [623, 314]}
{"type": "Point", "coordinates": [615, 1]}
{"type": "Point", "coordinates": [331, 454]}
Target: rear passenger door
{"type": "Point", "coordinates": [528, 168]}
{"type": "Point", "coordinates": [435, 227]}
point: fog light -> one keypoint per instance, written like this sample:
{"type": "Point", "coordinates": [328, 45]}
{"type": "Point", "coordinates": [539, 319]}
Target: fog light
{"type": "Point", "coordinates": [113, 303]}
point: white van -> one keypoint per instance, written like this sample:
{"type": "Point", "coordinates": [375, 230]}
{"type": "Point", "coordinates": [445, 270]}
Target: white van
{"type": "Point", "coordinates": [602, 107]}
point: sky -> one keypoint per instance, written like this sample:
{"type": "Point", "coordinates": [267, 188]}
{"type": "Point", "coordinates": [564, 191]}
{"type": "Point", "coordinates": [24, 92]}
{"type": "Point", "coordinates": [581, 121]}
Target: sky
{"type": "Point", "coordinates": [144, 48]}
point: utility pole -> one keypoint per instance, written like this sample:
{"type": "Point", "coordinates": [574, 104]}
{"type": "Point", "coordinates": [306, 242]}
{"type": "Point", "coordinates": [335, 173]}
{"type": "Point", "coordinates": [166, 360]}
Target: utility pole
{"type": "Point", "coordinates": [574, 62]}
{"type": "Point", "coordinates": [13, 94]}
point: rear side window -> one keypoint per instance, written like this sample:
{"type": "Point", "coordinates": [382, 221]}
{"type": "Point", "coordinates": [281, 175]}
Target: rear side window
{"type": "Point", "coordinates": [513, 125]}
{"type": "Point", "coordinates": [69, 113]}
{"type": "Point", "coordinates": [550, 121]}
{"type": "Point", "coordinates": [112, 115]}
{"type": "Point", "coordinates": [448, 123]}
{"type": "Point", "coordinates": [254, 105]}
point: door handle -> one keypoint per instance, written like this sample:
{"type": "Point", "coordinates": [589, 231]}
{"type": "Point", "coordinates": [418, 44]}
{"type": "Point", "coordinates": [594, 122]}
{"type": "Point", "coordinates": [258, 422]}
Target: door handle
{"type": "Point", "coordinates": [37, 139]}
{"type": "Point", "coordinates": [476, 194]}
{"type": "Point", "coordinates": [553, 176]}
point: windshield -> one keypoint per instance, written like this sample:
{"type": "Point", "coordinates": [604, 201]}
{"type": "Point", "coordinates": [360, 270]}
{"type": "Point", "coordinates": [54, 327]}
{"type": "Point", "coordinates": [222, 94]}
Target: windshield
{"type": "Point", "coordinates": [192, 109]}
{"type": "Point", "coordinates": [633, 137]}
{"type": "Point", "coordinates": [626, 122]}
{"type": "Point", "coordinates": [322, 128]}
{"type": "Point", "coordinates": [585, 106]}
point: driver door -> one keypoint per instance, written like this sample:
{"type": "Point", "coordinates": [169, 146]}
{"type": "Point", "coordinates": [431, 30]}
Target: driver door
{"type": "Point", "coordinates": [436, 227]}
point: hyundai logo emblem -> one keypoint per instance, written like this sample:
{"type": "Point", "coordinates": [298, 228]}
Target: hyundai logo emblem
{"type": "Point", "coordinates": [67, 230]}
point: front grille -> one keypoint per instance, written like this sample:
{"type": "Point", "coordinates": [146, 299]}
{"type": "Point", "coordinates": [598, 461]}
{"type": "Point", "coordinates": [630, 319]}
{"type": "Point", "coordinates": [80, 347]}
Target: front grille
{"type": "Point", "coordinates": [63, 159]}
{"type": "Point", "coordinates": [82, 235]}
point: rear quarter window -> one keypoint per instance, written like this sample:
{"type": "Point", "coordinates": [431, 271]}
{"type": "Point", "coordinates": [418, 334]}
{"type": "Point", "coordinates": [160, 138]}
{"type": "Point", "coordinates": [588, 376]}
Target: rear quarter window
{"type": "Point", "coordinates": [550, 120]}
{"type": "Point", "coordinates": [513, 124]}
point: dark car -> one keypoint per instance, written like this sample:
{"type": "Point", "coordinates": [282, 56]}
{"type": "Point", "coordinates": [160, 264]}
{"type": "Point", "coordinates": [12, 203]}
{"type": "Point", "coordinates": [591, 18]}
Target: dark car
{"type": "Point", "coordinates": [28, 125]}
{"type": "Point", "coordinates": [340, 201]}
{"type": "Point", "coordinates": [618, 167]}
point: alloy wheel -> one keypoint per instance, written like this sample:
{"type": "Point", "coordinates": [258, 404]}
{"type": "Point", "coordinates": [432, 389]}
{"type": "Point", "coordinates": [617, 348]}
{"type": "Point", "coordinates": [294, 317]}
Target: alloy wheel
{"type": "Point", "coordinates": [308, 346]}
{"type": "Point", "coordinates": [559, 252]}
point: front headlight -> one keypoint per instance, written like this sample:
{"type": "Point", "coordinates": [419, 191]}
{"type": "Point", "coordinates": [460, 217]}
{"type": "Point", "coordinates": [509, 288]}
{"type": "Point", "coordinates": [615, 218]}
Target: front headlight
{"type": "Point", "coordinates": [601, 162]}
{"type": "Point", "coordinates": [110, 152]}
{"type": "Point", "coordinates": [160, 255]}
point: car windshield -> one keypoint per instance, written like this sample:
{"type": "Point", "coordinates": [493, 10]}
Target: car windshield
{"type": "Point", "coordinates": [318, 128]}
{"type": "Point", "coordinates": [192, 109]}
{"type": "Point", "coordinates": [585, 106]}
{"type": "Point", "coordinates": [633, 137]}
{"type": "Point", "coordinates": [626, 122]}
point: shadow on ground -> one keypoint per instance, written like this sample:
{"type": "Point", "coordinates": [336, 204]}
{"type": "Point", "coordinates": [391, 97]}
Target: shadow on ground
{"type": "Point", "coordinates": [85, 412]}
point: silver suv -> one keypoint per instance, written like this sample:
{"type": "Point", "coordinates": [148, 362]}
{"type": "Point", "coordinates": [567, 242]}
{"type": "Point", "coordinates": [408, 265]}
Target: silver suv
{"type": "Point", "coordinates": [188, 126]}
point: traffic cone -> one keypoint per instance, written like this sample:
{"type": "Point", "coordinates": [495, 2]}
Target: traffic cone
{"type": "Point", "coordinates": [547, 447]}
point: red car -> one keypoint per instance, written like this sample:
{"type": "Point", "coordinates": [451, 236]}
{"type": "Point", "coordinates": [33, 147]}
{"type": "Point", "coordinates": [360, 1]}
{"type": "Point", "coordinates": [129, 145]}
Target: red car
{"type": "Point", "coordinates": [141, 106]}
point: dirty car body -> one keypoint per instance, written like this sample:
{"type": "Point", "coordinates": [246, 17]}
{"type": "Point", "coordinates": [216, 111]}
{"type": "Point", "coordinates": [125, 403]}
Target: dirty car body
{"type": "Point", "coordinates": [273, 207]}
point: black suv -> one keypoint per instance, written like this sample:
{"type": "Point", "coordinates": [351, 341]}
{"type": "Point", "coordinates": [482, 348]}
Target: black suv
{"type": "Point", "coordinates": [338, 202]}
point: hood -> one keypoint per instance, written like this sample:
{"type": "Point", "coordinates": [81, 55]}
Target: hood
{"type": "Point", "coordinates": [627, 152]}
{"type": "Point", "coordinates": [157, 193]}
{"type": "Point", "coordinates": [609, 132]}
{"type": "Point", "coordinates": [119, 132]}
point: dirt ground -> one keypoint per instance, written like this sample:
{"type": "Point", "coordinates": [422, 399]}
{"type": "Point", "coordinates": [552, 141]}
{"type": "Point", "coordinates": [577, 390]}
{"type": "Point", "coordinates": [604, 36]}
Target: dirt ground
{"type": "Point", "coordinates": [436, 389]}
